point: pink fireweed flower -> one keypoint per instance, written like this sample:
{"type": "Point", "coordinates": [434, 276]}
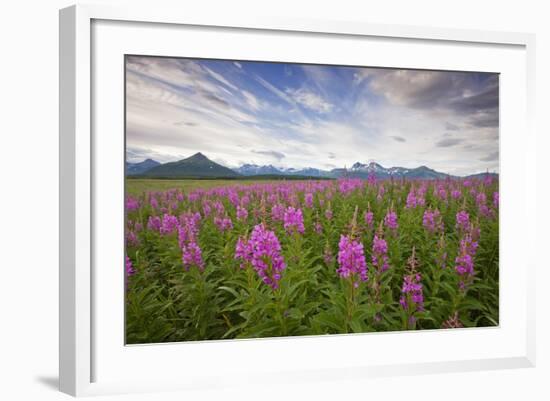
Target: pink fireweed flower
{"type": "Point", "coordinates": [169, 224]}
{"type": "Point", "coordinates": [206, 209]}
{"type": "Point", "coordinates": [154, 203]}
{"type": "Point", "coordinates": [243, 251]}
{"type": "Point", "coordinates": [308, 199]}
{"type": "Point", "coordinates": [318, 228]}
{"type": "Point", "coordinates": [390, 220]}
{"type": "Point", "coordinates": [432, 221]}
{"type": "Point", "coordinates": [351, 260]}
{"type": "Point", "coordinates": [219, 207]}
{"type": "Point", "coordinates": [245, 200]}
{"type": "Point", "coordinates": [411, 200]}
{"type": "Point", "coordinates": [369, 219]}
{"type": "Point", "coordinates": [441, 256]}
{"type": "Point", "coordinates": [481, 198]}
{"type": "Point", "coordinates": [412, 298]}
{"type": "Point", "coordinates": [188, 229]}
{"type": "Point", "coordinates": [496, 199]}
{"type": "Point", "coordinates": [223, 223]}
{"type": "Point", "coordinates": [233, 197]}
{"type": "Point", "coordinates": [328, 213]}
{"type": "Point", "coordinates": [293, 220]}
{"type": "Point", "coordinates": [131, 204]}
{"type": "Point", "coordinates": [442, 193]}
{"type": "Point", "coordinates": [154, 223]}
{"type": "Point", "coordinates": [347, 185]}
{"type": "Point", "coordinates": [277, 212]}
{"type": "Point", "coordinates": [242, 213]}
{"type": "Point", "coordinates": [371, 179]}
{"type": "Point", "coordinates": [131, 238]}
{"type": "Point", "coordinates": [456, 194]}
{"type": "Point", "coordinates": [266, 255]}
{"type": "Point", "coordinates": [464, 262]}
{"type": "Point", "coordinates": [129, 267]}
{"type": "Point", "coordinates": [381, 192]}
{"type": "Point", "coordinates": [193, 196]}
{"type": "Point", "coordinates": [192, 256]}
{"type": "Point", "coordinates": [463, 220]}
{"type": "Point", "coordinates": [379, 256]}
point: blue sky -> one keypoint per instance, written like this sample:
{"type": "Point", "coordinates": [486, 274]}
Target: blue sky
{"type": "Point", "coordinates": [296, 115]}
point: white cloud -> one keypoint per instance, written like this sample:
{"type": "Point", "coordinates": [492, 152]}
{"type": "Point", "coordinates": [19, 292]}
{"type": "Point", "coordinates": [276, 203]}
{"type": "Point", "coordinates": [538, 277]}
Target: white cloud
{"type": "Point", "coordinates": [178, 107]}
{"type": "Point", "coordinates": [310, 100]}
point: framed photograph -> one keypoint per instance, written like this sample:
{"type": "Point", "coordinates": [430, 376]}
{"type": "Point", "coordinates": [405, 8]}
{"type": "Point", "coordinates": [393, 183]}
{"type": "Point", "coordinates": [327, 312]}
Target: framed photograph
{"type": "Point", "coordinates": [237, 195]}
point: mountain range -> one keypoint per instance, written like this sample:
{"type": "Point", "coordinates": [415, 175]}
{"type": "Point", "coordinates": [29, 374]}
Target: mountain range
{"type": "Point", "coordinates": [200, 166]}
{"type": "Point", "coordinates": [141, 167]}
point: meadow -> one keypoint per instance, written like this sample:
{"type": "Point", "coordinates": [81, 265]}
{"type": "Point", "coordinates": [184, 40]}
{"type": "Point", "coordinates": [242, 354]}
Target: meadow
{"type": "Point", "coordinates": [215, 259]}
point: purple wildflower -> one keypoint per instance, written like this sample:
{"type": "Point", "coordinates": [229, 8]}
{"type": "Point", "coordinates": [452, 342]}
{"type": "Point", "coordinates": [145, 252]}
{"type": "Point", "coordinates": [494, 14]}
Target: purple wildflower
{"type": "Point", "coordinates": [293, 220]}
{"type": "Point", "coordinates": [131, 238]}
{"type": "Point", "coordinates": [369, 218]}
{"type": "Point", "coordinates": [242, 213]}
{"type": "Point", "coordinates": [277, 212]}
{"type": "Point", "coordinates": [464, 262]}
{"type": "Point", "coordinates": [131, 204]}
{"type": "Point", "coordinates": [351, 260]}
{"type": "Point", "coordinates": [379, 256]}
{"type": "Point", "coordinates": [432, 221]}
{"type": "Point", "coordinates": [390, 220]}
{"type": "Point", "coordinates": [463, 220]}
{"type": "Point", "coordinates": [412, 298]}
{"type": "Point", "coordinates": [411, 200]}
{"type": "Point", "coordinates": [308, 199]}
{"type": "Point", "coordinates": [169, 224]}
{"type": "Point", "coordinates": [154, 223]}
{"type": "Point", "coordinates": [266, 255]}
{"type": "Point", "coordinates": [223, 223]}
{"type": "Point", "coordinates": [243, 251]}
{"type": "Point", "coordinates": [129, 267]}
{"type": "Point", "coordinates": [318, 228]}
{"type": "Point", "coordinates": [192, 256]}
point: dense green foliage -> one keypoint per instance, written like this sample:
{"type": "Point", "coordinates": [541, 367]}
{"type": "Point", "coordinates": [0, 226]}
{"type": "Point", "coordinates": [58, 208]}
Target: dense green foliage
{"type": "Point", "coordinates": [166, 301]}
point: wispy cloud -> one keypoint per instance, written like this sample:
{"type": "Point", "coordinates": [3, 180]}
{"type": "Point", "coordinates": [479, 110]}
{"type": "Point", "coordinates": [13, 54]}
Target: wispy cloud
{"type": "Point", "coordinates": [270, 153]}
{"type": "Point", "coordinates": [310, 115]}
{"type": "Point", "coordinates": [310, 100]}
{"type": "Point", "coordinates": [447, 142]}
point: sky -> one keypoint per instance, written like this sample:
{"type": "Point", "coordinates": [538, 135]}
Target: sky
{"type": "Point", "coordinates": [303, 115]}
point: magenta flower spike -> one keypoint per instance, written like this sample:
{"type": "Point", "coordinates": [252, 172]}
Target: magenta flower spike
{"type": "Point", "coordinates": [390, 220]}
{"type": "Point", "coordinates": [129, 267]}
{"type": "Point", "coordinates": [293, 220]}
{"type": "Point", "coordinates": [266, 258]}
{"type": "Point", "coordinates": [463, 220]}
{"type": "Point", "coordinates": [192, 256]}
{"type": "Point", "coordinates": [379, 257]}
{"type": "Point", "coordinates": [351, 260]}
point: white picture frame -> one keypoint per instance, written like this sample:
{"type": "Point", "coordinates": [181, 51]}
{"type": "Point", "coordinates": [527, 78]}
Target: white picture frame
{"type": "Point", "coordinates": [83, 352]}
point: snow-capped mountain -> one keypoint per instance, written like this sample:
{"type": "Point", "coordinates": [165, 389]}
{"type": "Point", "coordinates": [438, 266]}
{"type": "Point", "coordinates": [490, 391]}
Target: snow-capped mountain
{"type": "Point", "coordinates": [358, 170]}
{"type": "Point", "coordinates": [254, 169]}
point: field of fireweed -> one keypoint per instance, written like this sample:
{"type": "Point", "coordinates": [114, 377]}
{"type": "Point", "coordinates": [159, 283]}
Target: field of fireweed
{"type": "Point", "coordinates": [290, 258]}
